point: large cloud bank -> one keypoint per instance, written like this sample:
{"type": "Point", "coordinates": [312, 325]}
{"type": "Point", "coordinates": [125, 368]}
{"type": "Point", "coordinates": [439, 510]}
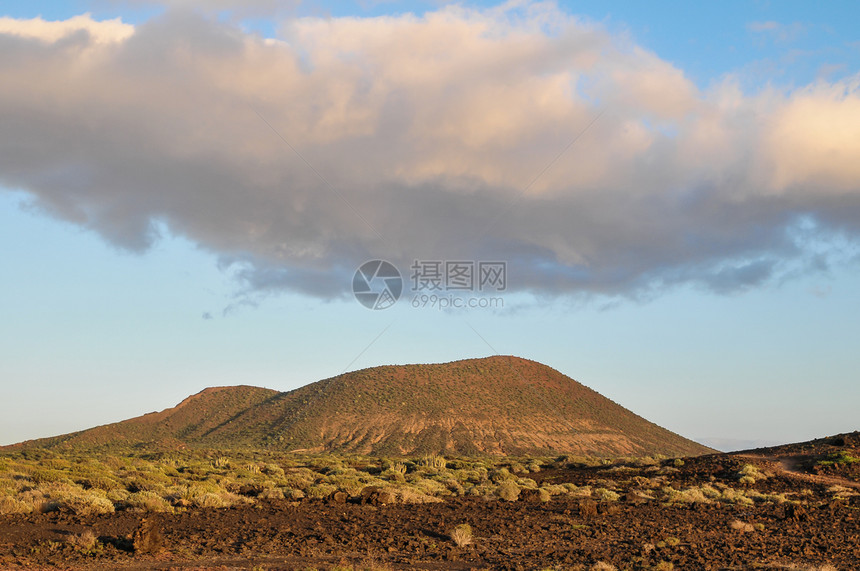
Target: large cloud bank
{"type": "Point", "coordinates": [524, 135]}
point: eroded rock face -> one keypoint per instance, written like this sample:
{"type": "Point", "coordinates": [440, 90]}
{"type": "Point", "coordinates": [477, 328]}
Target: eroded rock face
{"type": "Point", "coordinates": [530, 495]}
{"type": "Point", "coordinates": [376, 496]}
{"type": "Point", "coordinates": [587, 508]}
{"type": "Point", "coordinates": [637, 497]}
{"type": "Point", "coordinates": [147, 538]}
{"type": "Point", "coordinates": [337, 498]}
{"type": "Point", "coordinates": [791, 512]}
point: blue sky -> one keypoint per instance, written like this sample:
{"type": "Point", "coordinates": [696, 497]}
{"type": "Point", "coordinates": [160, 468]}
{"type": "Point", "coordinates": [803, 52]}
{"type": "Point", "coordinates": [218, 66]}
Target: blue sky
{"type": "Point", "coordinates": [143, 264]}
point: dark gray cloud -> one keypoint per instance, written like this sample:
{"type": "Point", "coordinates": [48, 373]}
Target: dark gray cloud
{"type": "Point", "coordinates": [293, 161]}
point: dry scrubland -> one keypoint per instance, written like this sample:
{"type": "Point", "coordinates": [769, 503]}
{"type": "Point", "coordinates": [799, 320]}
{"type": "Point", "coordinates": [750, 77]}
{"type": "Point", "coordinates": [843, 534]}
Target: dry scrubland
{"type": "Point", "coordinates": [350, 512]}
{"type": "Point", "coordinates": [44, 481]}
{"type": "Point", "coordinates": [41, 481]}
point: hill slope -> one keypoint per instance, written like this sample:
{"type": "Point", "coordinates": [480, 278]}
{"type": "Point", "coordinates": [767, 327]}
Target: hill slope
{"type": "Point", "coordinates": [496, 405]}
{"type": "Point", "coordinates": [176, 427]}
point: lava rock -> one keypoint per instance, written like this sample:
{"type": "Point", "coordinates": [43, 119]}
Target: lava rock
{"type": "Point", "coordinates": [147, 538]}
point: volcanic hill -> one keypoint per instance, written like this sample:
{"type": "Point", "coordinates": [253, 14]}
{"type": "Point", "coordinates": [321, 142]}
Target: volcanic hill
{"type": "Point", "coordinates": [498, 405]}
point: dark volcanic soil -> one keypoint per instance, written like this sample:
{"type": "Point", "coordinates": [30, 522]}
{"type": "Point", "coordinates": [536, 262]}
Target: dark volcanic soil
{"type": "Point", "coordinates": [816, 527]}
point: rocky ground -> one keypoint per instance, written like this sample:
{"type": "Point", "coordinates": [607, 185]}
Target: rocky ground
{"type": "Point", "coordinates": [771, 509]}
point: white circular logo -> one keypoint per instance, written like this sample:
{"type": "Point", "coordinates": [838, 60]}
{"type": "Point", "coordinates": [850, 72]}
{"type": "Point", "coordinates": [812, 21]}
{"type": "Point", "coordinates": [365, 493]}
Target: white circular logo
{"type": "Point", "coordinates": [377, 284]}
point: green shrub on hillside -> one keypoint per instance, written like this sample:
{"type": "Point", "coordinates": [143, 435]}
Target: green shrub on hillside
{"type": "Point", "coordinates": [841, 457]}
{"type": "Point", "coordinates": [508, 491]}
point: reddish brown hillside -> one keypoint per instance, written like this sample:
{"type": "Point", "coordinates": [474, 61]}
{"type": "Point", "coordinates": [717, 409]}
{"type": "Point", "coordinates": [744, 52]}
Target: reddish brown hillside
{"type": "Point", "coordinates": [174, 427]}
{"type": "Point", "coordinates": [497, 405]}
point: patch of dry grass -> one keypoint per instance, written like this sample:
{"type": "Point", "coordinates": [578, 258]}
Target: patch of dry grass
{"type": "Point", "coordinates": [743, 527]}
{"type": "Point", "coordinates": [461, 535]}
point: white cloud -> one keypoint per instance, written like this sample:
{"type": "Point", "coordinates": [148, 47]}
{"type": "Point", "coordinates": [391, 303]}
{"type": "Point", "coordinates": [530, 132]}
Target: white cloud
{"type": "Point", "coordinates": [813, 140]}
{"type": "Point", "coordinates": [767, 26]}
{"type": "Point", "coordinates": [778, 31]}
{"type": "Point", "coordinates": [427, 129]}
{"type": "Point", "coordinates": [98, 32]}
